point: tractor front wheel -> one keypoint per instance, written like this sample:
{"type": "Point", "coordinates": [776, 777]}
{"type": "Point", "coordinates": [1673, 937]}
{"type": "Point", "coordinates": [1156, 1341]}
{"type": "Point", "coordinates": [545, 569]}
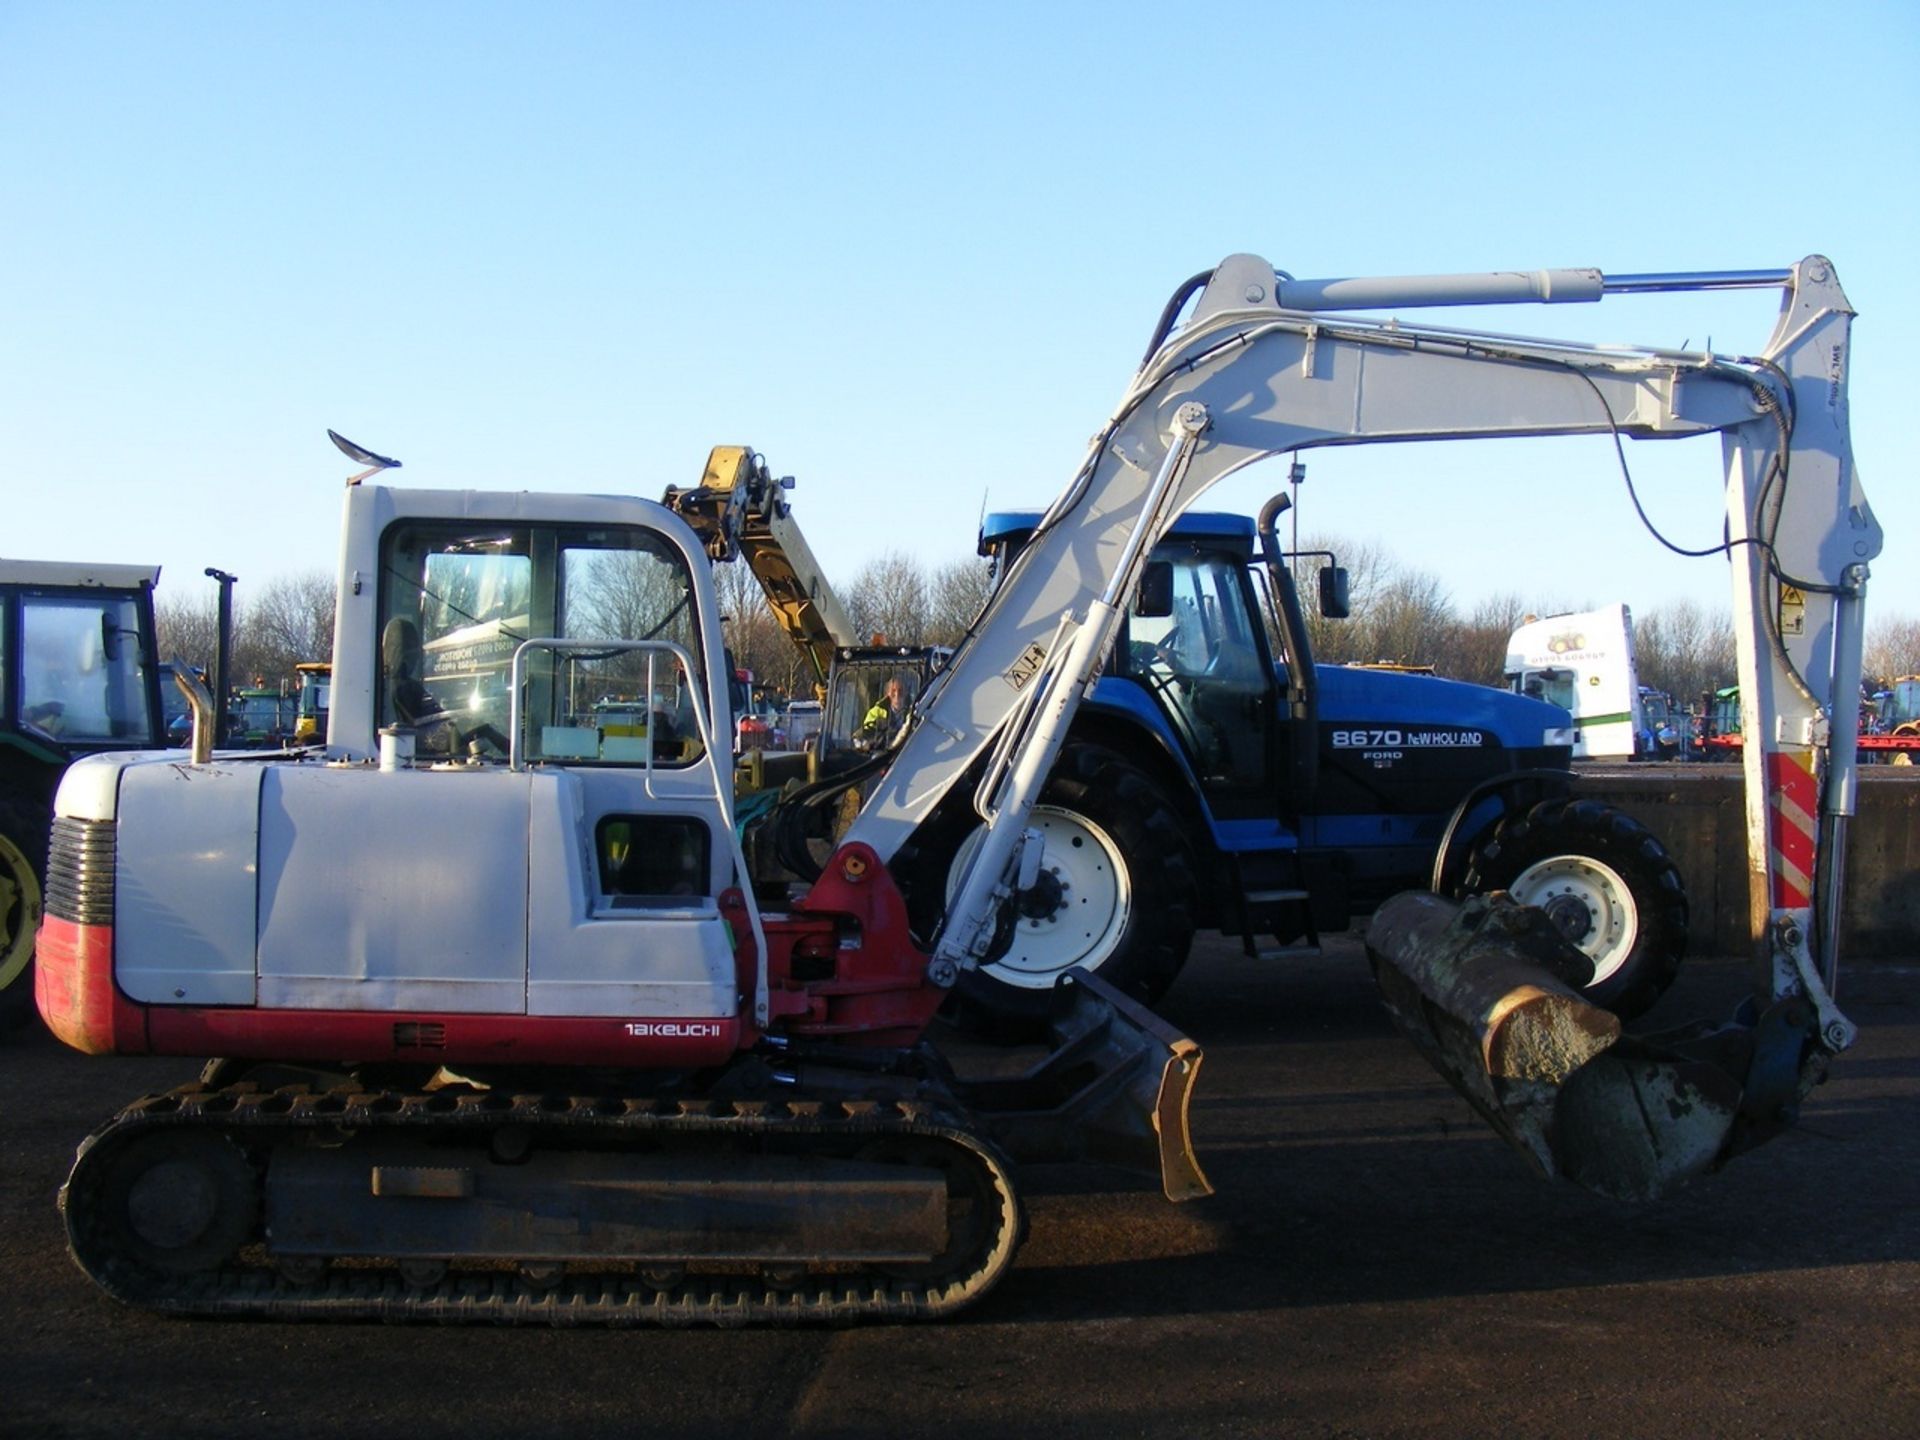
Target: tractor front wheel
{"type": "Point", "coordinates": [1608, 885]}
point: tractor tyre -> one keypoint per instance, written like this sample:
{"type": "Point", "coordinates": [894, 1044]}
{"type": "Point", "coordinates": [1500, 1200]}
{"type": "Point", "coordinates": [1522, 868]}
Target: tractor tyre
{"type": "Point", "coordinates": [1608, 884]}
{"type": "Point", "coordinates": [23, 864]}
{"type": "Point", "coordinates": [1117, 895]}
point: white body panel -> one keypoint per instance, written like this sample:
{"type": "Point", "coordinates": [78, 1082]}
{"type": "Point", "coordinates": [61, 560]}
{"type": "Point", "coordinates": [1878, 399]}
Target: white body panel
{"type": "Point", "coordinates": [419, 890]}
{"type": "Point", "coordinates": [393, 891]}
{"type": "Point", "coordinates": [1584, 661]}
{"type": "Point", "coordinates": [184, 916]}
{"type": "Point", "coordinates": [90, 790]}
{"type": "Point", "coordinates": [595, 955]}
{"type": "Point", "coordinates": [303, 885]}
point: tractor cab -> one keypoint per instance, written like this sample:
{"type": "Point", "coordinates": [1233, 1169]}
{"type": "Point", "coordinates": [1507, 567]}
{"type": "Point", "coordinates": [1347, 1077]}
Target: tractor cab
{"type": "Point", "coordinates": [76, 654]}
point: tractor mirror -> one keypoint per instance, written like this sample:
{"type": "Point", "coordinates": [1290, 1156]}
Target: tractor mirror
{"type": "Point", "coordinates": [109, 635]}
{"type": "Point", "coordinates": [1155, 600]}
{"type": "Point", "coordinates": [1335, 603]}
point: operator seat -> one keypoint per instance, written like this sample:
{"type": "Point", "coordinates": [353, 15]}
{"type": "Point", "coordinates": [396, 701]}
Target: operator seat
{"type": "Point", "coordinates": [401, 659]}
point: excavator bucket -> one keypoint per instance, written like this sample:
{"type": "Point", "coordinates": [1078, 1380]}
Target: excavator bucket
{"type": "Point", "coordinates": [1112, 1085]}
{"type": "Point", "coordinates": [1487, 991]}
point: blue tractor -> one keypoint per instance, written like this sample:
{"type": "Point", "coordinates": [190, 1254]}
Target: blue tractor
{"type": "Point", "coordinates": [1217, 778]}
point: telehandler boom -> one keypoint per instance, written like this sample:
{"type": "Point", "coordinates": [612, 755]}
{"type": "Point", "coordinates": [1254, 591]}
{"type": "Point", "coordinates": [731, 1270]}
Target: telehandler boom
{"type": "Point", "coordinates": [559, 1068]}
{"type": "Point", "coordinates": [739, 511]}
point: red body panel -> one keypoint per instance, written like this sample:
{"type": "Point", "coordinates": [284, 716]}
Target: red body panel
{"type": "Point", "coordinates": [630, 1043]}
{"type": "Point", "coordinates": [73, 984]}
{"type": "Point", "coordinates": [843, 966]}
{"type": "Point", "coordinates": [1908, 744]}
{"type": "Point", "coordinates": [1865, 744]}
{"type": "Point", "coordinates": [83, 1007]}
{"type": "Point", "coordinates": [879, 993]}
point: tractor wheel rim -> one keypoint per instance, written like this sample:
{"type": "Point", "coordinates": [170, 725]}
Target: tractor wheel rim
{"type": "Point", "coordinates": [19, 911]}
{"type": "Point", "coordinates": [1096, 899]}
{"type": "Point", "coordinates": [1588, 902]}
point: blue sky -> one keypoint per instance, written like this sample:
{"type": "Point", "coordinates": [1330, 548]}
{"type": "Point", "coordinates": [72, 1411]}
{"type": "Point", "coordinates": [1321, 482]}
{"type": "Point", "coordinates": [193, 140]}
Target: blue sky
{"type": "Point", "coordinates": [910, 252]}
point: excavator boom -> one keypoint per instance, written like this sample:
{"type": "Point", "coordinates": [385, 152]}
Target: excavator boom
{"type": "Point", "coordinates": [1267, 365]}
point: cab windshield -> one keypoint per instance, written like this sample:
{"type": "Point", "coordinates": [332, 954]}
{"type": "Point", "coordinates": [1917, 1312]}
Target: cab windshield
{"type": "Point", "coordinates": [458, 601]}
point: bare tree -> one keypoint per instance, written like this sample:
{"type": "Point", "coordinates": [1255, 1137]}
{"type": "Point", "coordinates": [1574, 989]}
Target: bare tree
{"type": "Point", "coordinates": [639, 594]}
{"type": "Point", "coordinates": [959, 592]}
{"type": "Point", "coordinates": [888, 598]}
{"type": "Point", "coordinates": [1478, 649]}
{"type": "Point", "coordinates": [1683, 649]}
{"type": "Point", "coordinates": [754, 635]}
{"type": "Point", "coordinates": [1411, 620]}
{"type": "Point", "coordinates": [1399, 614]}
{"type": "Point", "coordinates": [290, 620]}
{"type": "Point", "coordinates": [188, 628]}
{"type": "Point", "coordinates": [1367, 565]}
{"type": "Point", "coordinates": [1893, 647]}
{"type": "Point", "coordinates": [627, 595]}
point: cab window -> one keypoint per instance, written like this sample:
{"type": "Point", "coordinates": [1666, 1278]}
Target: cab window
{"type": "Point", "coordinates": [459, 600]}
{"type": "Point", "coordinates": [1208, 633]}
{"type": "Point", "coordinates": [82, 673]}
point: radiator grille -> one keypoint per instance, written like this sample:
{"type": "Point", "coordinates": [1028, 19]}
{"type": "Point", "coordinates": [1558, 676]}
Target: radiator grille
{"type": "Point", "coordinates": [80, 872]}
{"type": "Point", "coordinates": [419, 1035]}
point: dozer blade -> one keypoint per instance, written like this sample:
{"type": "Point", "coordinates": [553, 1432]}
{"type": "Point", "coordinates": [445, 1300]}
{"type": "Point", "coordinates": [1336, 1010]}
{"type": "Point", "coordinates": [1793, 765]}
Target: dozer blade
{"type": "Point", "coordinates": [1485, 990]}
{"type": "Point", "coordinates": [1113, 1086]}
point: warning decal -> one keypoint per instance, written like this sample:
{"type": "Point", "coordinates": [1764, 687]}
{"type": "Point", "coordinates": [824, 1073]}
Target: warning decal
{"type": "Point", "coordinates": [1793, 611]}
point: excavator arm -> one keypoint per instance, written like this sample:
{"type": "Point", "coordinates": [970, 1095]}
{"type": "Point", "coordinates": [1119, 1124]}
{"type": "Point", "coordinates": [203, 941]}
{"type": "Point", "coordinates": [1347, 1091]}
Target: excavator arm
{"type": "Point", "coordinates": [1267, 365]}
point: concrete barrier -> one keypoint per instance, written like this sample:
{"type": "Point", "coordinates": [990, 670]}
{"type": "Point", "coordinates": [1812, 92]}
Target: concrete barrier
{"type": "Point", "coordinates": [1699, 814]}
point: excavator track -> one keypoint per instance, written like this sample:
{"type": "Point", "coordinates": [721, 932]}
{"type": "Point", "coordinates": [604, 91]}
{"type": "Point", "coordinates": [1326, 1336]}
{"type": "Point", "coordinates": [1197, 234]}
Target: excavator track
{"type": "Point", "coordinates": [227, 1201]}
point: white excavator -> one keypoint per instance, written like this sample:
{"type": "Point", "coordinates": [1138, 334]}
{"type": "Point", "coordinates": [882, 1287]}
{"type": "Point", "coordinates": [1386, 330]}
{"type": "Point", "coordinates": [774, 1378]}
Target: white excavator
{"type": "Point", "coordinates": [502, 1037]}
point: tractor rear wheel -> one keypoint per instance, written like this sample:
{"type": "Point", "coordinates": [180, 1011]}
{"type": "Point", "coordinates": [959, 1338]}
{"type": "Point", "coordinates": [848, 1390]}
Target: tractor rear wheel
{"type": "Point", "coordinates": [1116, 893]}
{"type": "Point", "coordinates": [1605, 881]}
{"type": "Point", "coordinates": [23, 858]}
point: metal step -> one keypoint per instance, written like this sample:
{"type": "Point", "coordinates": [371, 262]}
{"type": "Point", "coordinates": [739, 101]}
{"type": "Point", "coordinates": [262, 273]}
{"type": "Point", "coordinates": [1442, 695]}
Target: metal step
{"type": "Point", "coordinates": [1272, 911]}
{"type": "Point", "coordinates": [1287, 952]}
{"type": "Point", "coordinates": [1276, 897]}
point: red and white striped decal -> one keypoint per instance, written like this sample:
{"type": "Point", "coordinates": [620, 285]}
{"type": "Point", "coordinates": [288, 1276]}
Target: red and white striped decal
{"type": "Point", "coordinates": [1793, 807]}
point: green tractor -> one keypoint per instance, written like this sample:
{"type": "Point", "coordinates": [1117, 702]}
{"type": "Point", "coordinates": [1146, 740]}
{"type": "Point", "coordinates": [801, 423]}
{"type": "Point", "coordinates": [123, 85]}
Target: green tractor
{"type": "Point", "coordinates": [78, 674]}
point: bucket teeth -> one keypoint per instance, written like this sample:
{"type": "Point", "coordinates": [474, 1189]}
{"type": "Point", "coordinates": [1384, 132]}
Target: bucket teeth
{"type": "Point", "coordinates": [1114, 1086]}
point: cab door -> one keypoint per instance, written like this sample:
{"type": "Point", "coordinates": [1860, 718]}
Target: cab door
{"type": "Point", "coordinates": [1205, 662]}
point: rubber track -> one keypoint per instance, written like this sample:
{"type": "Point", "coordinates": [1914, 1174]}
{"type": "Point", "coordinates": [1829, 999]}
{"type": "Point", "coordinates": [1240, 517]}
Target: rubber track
{"type": "Point", "coordinates": [500, 1296]}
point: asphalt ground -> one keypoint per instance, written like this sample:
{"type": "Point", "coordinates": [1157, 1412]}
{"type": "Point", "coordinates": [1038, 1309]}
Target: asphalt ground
{"type": "Point", "coordinates": [1375, 1264]}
